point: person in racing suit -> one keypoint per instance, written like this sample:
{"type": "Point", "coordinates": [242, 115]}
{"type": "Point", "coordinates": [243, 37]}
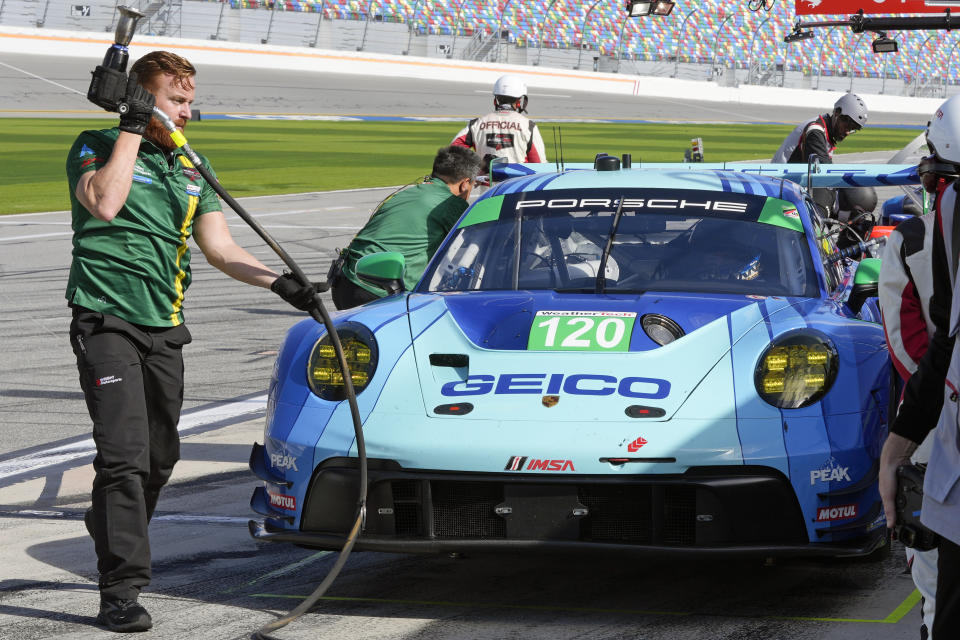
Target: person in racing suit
{"type": "Point", "coordinates": [819, 136]}
{"type": "Point", "coordinates": [413, 221]}
{"type": "Point", "coordinates": [505, 132]}
{"type": "Point", "coordinates": [937, 375]}
{"type": "Point", "coordinates": [136, 199]}
{"type": "Point", "coordinates": [906, 287]}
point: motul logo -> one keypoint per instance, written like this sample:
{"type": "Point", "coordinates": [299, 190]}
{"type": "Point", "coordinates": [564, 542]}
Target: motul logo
{"type": "Point", "coordinates": [843, 512]}
{"type": "Point", "coordinates": [282, 501]}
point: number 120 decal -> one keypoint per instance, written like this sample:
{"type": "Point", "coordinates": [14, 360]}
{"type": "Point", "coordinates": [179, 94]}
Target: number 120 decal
{"type": "Point", "coordinates": [581, 331]}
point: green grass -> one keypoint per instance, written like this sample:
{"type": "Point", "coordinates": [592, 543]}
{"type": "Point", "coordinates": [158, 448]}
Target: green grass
{"type": "Point", "coordinates": [271, 157]}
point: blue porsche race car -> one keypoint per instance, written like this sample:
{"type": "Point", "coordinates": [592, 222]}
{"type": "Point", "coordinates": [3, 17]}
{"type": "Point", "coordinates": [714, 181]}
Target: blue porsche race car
{"type": "Point", "coordinates": [667, 359]}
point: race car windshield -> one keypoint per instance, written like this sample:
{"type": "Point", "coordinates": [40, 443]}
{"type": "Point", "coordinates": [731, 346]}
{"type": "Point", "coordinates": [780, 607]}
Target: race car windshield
{"type": "Point", "coordinates": [666, 240]}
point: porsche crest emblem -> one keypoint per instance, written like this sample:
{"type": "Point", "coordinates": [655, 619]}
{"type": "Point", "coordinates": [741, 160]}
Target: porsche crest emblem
{"type": "Point", "coordinates": [549, 401]}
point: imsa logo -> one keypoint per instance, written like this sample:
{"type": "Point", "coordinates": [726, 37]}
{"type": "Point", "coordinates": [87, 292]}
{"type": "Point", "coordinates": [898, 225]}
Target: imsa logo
{"type": "Point", "coordinates": [516, 463]}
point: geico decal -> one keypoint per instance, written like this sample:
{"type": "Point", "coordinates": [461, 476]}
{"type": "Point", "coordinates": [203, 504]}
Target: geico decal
{"type": "Point", "coordinates": [576, 384]}
{"type": "Point", "coordinates": [633, 203]}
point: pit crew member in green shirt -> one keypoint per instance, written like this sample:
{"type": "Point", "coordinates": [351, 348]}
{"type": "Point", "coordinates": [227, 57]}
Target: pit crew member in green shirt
{"type": "Point", "coordinates": [136, 199]}
{"type": "Point", "coordinates": [413, 221]}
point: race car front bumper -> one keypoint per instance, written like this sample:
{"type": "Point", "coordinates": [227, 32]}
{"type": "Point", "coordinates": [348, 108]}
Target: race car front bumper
{"type": "Point", "coordinates": [707, 510]}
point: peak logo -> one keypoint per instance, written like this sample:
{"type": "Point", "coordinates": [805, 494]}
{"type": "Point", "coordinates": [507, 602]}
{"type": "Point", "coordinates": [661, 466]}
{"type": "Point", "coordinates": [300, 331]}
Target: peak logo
{"type": "Point", "coordinates": [830, 471]}
{"type": "Point", "coordinates": [516, 463]}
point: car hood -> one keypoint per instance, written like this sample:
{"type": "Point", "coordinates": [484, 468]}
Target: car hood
{"type": "Point", "coordinates": [472, 348]}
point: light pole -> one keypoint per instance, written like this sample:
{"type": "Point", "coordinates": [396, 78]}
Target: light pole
{"type": "Point", "coordinates": [946, 76]}
{"type": "Point", "coordinates": [366, 25]}
{"type": "Point", "coordinates": [500, 28]}
{"type": "Point", "coordinates": [753, 40]}
{"type": "Point", "coordinates": [623, 24]}
{"type": "Point", "coordinates": [683, 23]}
{"type": "Point", "coordinates": [850, 61]}
{"type": "Point", "coordinates": [546, 14]}
{"type": "Point", "coordinates": [456, 28]}
{"type": "Point", "coordinates": [316, 35]}
{"type": "Point", "coordinates": [820, 56]}
{"type": "Point", "coordinates": [413, 14]}
{"type": "Point", "coordinates": [716, 44]}
{"type": "Point", "coordinates": [583, 28]}
{"type": "Point", "coordinates": [916, 65]}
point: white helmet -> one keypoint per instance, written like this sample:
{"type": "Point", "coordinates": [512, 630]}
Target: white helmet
{"type": "Point", "coordinates": [852, 106]}
{"type": "Point", "coordinates": [510, 86]}
{"type": "Point", "coordinates": [943, 131]}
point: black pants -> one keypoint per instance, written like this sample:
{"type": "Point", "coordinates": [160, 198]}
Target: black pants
{"type": "Point", "coordinates": [347, 295]}
{"type": "Point", "coordinates": [132, 379]}
{"type": "Point", "coordinates": [946, 617]}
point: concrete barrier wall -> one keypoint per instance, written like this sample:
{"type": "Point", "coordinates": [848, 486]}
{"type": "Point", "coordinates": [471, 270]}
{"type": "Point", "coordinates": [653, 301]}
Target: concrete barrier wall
{"type": "Point", "coordinates": [200, 52]}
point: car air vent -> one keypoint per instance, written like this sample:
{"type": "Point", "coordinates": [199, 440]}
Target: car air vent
{"type": "Point", "coordinates": [638, 411]}
{"type": "Point", "coordinates": [459, 409]}
{"type": "Point", "coordinates": [455, 360]}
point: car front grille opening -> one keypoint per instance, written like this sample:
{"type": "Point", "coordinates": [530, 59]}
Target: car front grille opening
{"type": "Point", "coordinates": [464, 510]}
{"type": "Point", "coordinates": [639, 514]}
{"type": "Point", "coordinates": [617, 514]}
{"type": "Point", "coordinates": [407, 508]}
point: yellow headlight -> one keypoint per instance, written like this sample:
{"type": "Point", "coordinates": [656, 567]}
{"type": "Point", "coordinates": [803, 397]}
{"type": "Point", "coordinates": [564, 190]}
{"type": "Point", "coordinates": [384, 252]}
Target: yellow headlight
{"type": "Point", "coordinates": [774, 383]}
{"type": "Point", "coordinates": [324, 375]}
{"type": "Point", "coordinates": [796, 370]}
{"type": "Point", "coordinates": [777, 359]}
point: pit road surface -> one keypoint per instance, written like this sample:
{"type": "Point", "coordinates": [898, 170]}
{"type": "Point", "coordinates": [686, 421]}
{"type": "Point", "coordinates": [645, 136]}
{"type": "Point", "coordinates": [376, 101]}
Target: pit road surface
{"type": "Point", "coordinates": [212, 581]}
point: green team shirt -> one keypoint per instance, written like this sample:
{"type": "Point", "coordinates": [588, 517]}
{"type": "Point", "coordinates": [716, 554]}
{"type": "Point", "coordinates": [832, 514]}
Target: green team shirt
{"type": "Point", "coordinates": [414, 222]}
{"type": "Point", "coordinates": [137, 266]}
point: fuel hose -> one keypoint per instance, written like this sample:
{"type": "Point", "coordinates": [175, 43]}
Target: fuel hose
{"type": "Point", "coordinates": [319, 313]}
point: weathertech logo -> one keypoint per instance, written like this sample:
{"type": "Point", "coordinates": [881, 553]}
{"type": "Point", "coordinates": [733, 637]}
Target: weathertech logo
{"type": "Point", "coordinates": [282, 501]}
{"type": "Point", "coordinates": [843, 512]}
{"type": "Point", "coordinates": [516, 463]}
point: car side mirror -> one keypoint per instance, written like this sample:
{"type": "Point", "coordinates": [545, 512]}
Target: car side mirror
{"type": "Point", "coordinates": [384, 270]}
{"type": "Point", "coordinates": [865, 283]}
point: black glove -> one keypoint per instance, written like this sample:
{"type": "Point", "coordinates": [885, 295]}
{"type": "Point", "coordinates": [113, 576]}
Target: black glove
{"type": "Point", "coordinates": [107, 87]}
{"type": "Point", "coordinates": [136, 107]}
{"type": "Point", "coordinates": [298, 295]}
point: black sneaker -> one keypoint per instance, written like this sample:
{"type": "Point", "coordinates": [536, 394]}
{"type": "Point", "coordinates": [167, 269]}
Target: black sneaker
{"type": "Point", "coordinates": [123, 616]}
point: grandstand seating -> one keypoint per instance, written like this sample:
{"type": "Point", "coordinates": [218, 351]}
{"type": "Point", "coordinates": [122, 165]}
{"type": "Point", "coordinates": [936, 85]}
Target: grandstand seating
{"type": "Point", "coordinates": [700, 32]}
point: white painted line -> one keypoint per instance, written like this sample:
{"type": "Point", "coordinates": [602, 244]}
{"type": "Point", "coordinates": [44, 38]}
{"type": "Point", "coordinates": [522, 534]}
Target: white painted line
{"type": "Point", "coordinates": [65, 223]}
{"type": "Point", "coordinates": [36, 235]}
{"type": "Point", "coordinates": [188, 421]}
{"type": "Point", "coordinates": [170, 517]}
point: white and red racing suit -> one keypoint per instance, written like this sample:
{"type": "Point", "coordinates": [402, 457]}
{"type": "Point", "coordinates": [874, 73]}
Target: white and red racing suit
{"type": "Point", "coordinates": [810, 137]}
{"type": "Point", "coordinates": [503, 133]}
{"type": "Point", "coordinates": [907, 286]}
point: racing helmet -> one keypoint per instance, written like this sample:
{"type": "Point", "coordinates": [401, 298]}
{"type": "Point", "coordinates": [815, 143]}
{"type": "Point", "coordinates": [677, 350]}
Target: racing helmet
{"type": "Point", "coordinates": [943, 132]}
{"type": "Point", "coordinates": [507, 90]}
{"type": "Point", "coordinates": [852, 106]}
{"type": "Point", "coordinates": [859, 199]}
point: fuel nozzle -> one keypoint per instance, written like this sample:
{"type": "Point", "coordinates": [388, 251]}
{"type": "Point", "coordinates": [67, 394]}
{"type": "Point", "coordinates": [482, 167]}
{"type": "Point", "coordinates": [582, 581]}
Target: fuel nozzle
{"type": "Point", "coordinates": [109, 83]}
{"type": "Point", "coordinates": [117, 55]}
